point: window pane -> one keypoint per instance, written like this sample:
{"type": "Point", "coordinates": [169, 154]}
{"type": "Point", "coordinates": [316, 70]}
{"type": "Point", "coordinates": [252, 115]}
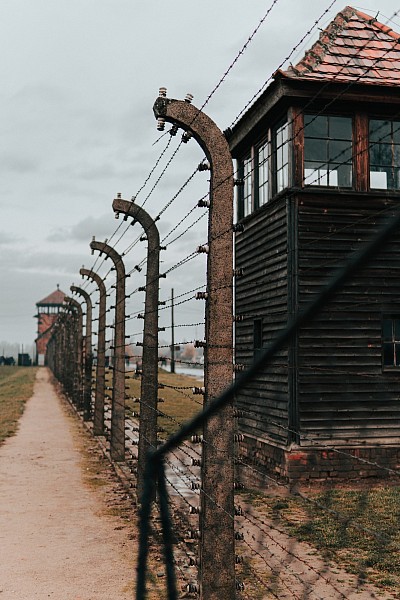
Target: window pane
{"type": "Point", "coordinates": [315, 126]}
{"type": "Point", "coordinates": [339, 152]}
{"type": "Point", "coordinates": [282, 178]}
{"type": "Point", "coordinates": [380, 154]}
{"type": "Point", "coordinates": [332, 178]}
{"type": "Point", "coordinates": [316, 150]}
{"type": "Point", "coordinates": [340, 128]}
{"type": "Point", "coordinates": [344, 176]}
{"type": "Point", "coordinates": [379, 130]}
{"type": "Point", "coordinates": [397, 355]}
{"type": "Point", "coordinates": [396, 329]}
{"type": "Point", "coordinates": [396, 181]}
{"type": "Point", "coordinates": [388, 355]}
{"type": "Point", "coordinates": [281, 161]}
{"type": "Point", "coordinates": [247, 175]}
{"type": "Point", "coordinates": [326, 154]}
{"type": "Point", "coordinates": [378, 179]}
{"type": "Point", "coordinates": [263, 174]}
{"type": "Point", "coordinates": [396, 132]}
{"type": "Point", "coordinates": [387, 330]}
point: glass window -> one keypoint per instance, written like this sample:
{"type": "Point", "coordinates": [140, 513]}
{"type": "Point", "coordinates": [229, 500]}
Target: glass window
{"type": "Point", "coordinates": [328, 150]}
{"type": "Point", "coordinates": [281, 153]}
{"type": "Point", "coordinates": [384, 154]}
{"type": "Point", "coordinates": [391, 341]}
{"type": "Point", "coordinates": [248, 184]}
{"type": "Point", "coordinates": [262, 187]}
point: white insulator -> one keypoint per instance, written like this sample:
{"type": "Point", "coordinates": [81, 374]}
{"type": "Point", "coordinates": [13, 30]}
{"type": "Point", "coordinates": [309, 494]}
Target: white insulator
{"type": "Point", "coordinates": [162, 92]}
{"type": "Point", "coordinates": [194, 510]}
{"type": "Point", "coordinates": [199, 391]}
{"type": "Point", "coordinates": [160, 124]}
{"type": "Point", "coordinates": [194, 534]}
{"type": "Point", "coordinates": [238, 318]}
{"type": "Point", "coordinates": [204, 249]}
{"type": "Point", "coordinates": [200, 344]}
{"type": "Point", "coordinates": [189, 98]}
{"type": "Point", "coordinates": [186, 135]}
{"type": "Point", "coordinates": [238, 413]}
{"type": "Point", "coordinates": [201, 295]}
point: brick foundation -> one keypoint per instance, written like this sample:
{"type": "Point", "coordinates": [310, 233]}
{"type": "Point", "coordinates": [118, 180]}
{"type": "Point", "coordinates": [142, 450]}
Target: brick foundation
{"type": "Point", "coordinates": [302, 463]}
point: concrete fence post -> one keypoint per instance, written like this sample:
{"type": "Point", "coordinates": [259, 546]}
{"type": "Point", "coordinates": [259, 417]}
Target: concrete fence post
{"type": "Point", "coordinates": [149, 384]}
{"type": "Point", "coordinates": [76, 341]}
{"type": "Point", "coordinates": [217, 555]}
{"type": "Point", "coordinates": [98, 414]}
{"type": "Point", "coordinates": [117, 441]}
{"type": "Point", "coordinates": [88, 356]}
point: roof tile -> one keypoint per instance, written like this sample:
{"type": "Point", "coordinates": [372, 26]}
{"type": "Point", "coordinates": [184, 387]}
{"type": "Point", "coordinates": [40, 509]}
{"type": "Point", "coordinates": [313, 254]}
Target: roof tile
{"type": "Point", "coordinates": [56, 297]}
{"type": "Point", "coordinates": [354, 47]}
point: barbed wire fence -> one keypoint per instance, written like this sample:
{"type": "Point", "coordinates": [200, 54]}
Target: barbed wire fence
{"type": "Point", "coordinates": [176, 464]}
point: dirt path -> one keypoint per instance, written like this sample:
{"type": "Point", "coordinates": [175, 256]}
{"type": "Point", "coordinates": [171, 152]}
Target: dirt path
{"type": "Point", "coordinates": [56, 540]}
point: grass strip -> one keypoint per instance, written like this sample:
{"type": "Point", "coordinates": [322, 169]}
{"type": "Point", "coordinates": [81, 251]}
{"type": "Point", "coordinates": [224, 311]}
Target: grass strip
{"type": "Point", "coordinates": [16, 387]}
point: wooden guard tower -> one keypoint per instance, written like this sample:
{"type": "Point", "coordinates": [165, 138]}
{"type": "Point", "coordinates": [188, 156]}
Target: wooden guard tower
{"type": "Point", "coordinates": [47, 313]}
{"type": "Point", "coordinates": [318, 156]}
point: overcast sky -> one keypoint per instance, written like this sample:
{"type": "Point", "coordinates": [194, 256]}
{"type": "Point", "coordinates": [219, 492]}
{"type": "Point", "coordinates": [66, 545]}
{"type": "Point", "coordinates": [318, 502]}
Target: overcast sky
{"type": "Point", "coordinates": [78, 82]}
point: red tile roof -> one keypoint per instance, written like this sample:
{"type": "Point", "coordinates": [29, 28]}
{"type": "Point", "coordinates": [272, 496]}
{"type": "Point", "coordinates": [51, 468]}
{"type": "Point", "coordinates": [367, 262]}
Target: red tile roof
{"type": "Point", "coordinates": [355, 47]}
{"type": "Point", "coordinates": [56, 297]}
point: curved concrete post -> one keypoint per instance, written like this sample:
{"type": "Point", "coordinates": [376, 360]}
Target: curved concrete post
{"type": "Point", "coordinates": [117, 441]}
{"type": "Point", "coordinates": [149, 384]}
{"type": "Point", "coordinates": [87, 357]}
{"type": "Point", "coordinates": [217, 556]}
{"type": "Point", "coordinates": [75, 344]}
{"type": "Point", "coordinates": [98, 415]}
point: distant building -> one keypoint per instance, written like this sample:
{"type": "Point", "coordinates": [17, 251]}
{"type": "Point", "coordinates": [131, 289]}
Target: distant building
{"type": "Point", "coordinates": [318, 156]}
{"type": "Point", "coordinates": [47, 313]}
{"type": "Point", "coordinates": [24, 360]}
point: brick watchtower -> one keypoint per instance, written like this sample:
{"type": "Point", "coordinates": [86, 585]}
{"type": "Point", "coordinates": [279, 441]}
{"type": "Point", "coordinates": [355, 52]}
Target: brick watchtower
{"type": "Point", "coordinates": [47, 313]}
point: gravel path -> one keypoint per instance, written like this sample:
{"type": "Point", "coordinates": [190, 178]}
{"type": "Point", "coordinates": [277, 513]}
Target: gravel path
{"type": "Point", "coordinates": [56, 539]}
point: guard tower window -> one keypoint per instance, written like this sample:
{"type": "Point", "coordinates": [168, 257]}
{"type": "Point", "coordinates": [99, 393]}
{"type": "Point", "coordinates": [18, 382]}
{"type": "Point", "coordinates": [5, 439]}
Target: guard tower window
{"type": "Point", "coordinates": [262, 173]}
{"type": "Point", "coordinates": [391, 341]}
{"type": "Point", "coordinates": [248, 185]}
{"type": "Point", "coordinates": [328, 151]}
{"type": "Point", "coordinates": [281, 157]}
{"type": "Point", "coordinates": [384, 154]}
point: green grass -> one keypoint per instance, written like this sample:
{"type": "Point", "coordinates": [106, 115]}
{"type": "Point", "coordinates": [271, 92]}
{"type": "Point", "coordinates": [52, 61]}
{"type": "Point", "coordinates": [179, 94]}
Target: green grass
{"type": "Point", "coordinates": [179, 405]}
{"type": "Point", "coordinates": [16, 386]}
{"type": "Point", "coordinates": [358, 529]}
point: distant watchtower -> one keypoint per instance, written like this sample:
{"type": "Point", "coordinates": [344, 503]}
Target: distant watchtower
{"type": "Point", "coordinates": [47, 312]}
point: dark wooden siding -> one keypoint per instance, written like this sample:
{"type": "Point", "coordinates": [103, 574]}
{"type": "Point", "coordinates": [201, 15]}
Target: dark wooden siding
{"type": "Point", "coordinates": [343, 392]}
{"type": "Point", "coordinates": [261, 293]}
